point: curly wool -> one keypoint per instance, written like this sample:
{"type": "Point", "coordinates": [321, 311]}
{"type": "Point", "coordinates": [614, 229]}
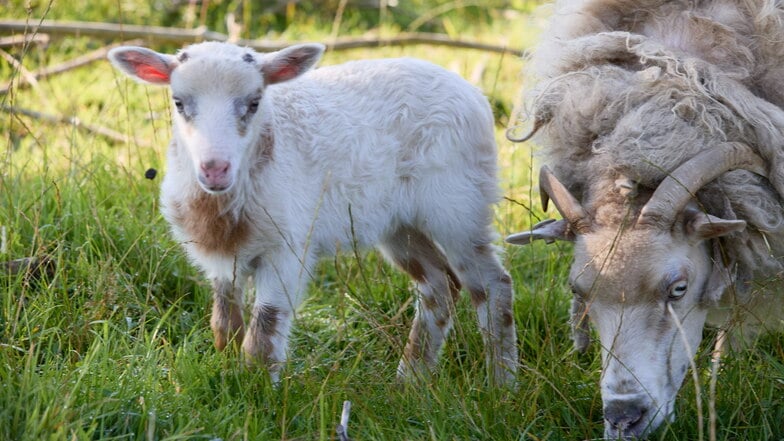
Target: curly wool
{"type": "Point", "coordinates": [636, 88]}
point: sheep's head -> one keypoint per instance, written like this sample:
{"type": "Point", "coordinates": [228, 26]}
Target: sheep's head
{"type": "Point", "coordinates": [646, 281]}
{"type": "Point", "coordinates": [217, 94]}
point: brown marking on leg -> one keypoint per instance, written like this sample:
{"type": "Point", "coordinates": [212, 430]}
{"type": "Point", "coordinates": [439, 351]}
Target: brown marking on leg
{"type": "Point", "coordinates": [226, 320]}
{"type": "Point", "coordinates": [507, 319]}
{"type": "Point", "coordinates": [430, 302]}
{"type": "Point", "coordinates": [478, 296]}
{"type": "Point", "coordinates": [454, 284]}
{"type": "Point", "coordinates": [218, 322]}
{"type": "Point", "coordinates": [263, 326]}
{"type": "Point", "coordinates": [505, 302]}
{"type": "Point", "coordinates": [490, 290]}
{"type": "Point", "coordinates": [441, 322]}
{"type": "Point", "coordinates": [414, 268]}
{"type": "Point", "coordinates": [439, 287]}
{"type": "Point", "coordinates": [413, 349]}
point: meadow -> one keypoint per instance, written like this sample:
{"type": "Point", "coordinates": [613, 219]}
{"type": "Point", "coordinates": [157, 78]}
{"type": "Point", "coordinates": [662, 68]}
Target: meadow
{"type": "Point", "coordinates": [114, 343]}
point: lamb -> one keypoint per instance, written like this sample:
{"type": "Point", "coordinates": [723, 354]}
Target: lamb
{"type": "Point", "coordinates": [273, 164]}
{"type": "Point", "coordinates": [662, 124]}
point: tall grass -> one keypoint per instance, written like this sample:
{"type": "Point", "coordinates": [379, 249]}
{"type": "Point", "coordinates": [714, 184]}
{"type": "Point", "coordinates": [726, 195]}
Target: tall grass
{"type": "Point", "coordinates": [115, 344]}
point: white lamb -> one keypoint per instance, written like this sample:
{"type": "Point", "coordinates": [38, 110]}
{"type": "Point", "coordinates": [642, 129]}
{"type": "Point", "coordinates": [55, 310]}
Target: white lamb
{"type": "Point", "coordinates": [272, 165]}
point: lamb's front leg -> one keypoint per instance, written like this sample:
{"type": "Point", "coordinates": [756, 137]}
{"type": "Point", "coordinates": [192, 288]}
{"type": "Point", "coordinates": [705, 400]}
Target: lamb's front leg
{"type": "Point", "coordinates": [226, 320]}
{"type": "Point", "coordinates": [280, 286]}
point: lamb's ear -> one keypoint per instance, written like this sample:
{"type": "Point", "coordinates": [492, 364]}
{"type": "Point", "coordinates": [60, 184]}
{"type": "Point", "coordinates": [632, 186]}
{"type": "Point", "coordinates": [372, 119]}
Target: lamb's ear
{"type": "Point", "coordinates": [548, 230]}
{"type": "Point", "coordinates": [291, 62]}
{"type": "Point", "coordinates": [143, 65]}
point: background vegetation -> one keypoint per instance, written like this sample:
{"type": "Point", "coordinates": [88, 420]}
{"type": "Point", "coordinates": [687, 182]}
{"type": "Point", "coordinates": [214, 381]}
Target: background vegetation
{"type": "Point", "coordinates": [115, 342]}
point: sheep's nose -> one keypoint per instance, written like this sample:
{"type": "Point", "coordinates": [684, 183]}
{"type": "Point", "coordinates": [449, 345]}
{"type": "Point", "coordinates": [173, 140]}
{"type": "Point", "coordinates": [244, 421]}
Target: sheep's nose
{"type": "Point", "coordinates": [623, 415]}
{"type": "Point", "coordinates": [215, 174]}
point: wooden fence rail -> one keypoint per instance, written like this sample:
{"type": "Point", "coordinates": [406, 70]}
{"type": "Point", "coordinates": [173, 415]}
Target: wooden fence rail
{"type": "Point", "coordinates": [182, 36]}
{"type": "Point", "coordinates": [39, 32]}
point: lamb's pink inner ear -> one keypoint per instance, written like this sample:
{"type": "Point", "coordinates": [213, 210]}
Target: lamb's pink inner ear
{"type": "Point", "coordinates": [291, 62]}
{"type": "Point", "coordinates": [151, 74]}
{"type": "Point", "coordinates": [282, 72]}
{"type": "Point", "coordinates": [148, 66]}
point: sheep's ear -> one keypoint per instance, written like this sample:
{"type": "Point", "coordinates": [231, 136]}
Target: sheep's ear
{"type": "Point", "coordinates": [548, 230]}
{"type": "Point", "coordinates": [702, 226]}
{"type": "Point", "coordinates": [143, 65]}
{"type": "Point", "coordinates": [723, 275]}
{"type": "Point", "coordinates": [290, 62]}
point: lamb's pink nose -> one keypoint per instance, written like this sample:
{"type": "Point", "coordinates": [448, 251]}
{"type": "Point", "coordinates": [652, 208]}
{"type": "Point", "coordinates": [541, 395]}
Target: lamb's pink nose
{"type": "Point", "coordinates": [215, 175]}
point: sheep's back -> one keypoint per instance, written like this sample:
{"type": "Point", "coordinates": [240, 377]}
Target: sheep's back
{"type": "Point", "coordinates": [682, 77]}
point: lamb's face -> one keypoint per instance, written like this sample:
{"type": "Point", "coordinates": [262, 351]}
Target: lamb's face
{"type": "Point", "coordinates": [217, 98]}
{"type": "Point", "coordinates": [216, 103]}
{"type": "Point", "coordinates": [643, 290]}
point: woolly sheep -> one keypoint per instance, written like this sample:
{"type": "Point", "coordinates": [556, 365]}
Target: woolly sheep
{"type": "Point", "coordinates": [272, 165]}
{"type": "Point", "coordinates": [663, 125]}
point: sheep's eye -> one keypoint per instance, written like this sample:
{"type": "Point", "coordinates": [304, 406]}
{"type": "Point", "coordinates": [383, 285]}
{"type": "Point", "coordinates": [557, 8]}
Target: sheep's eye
{"type": "Point", "coordinates": [253, 106]}
{"type": "Point", "coordinates": [678, 289]}
{"type": "Point", "coordinates": [179, 105]}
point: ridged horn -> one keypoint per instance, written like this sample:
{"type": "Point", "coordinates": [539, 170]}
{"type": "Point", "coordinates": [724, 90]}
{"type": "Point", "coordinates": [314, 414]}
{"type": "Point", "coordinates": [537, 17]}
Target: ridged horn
{"type": "Point", "coordinates": [569, 207]}
{"type": "Point", "coordinates": [680, 186]}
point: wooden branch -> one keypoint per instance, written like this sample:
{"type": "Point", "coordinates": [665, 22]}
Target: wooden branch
{"type": "Point", "coordinates": [96, 55]}
{"type": "Point", "coordinates": [112, 30]}
{"type": "Point", "coordinates": [417, 38]}
{"type": "Point", "coordinates": [74, 121]}
{"type": "Point", "coordinates": [21, 40]}
{"type": "Point", "coordinates": [182, 36]}
{"type": "Point", "coordinates": [25, 75]}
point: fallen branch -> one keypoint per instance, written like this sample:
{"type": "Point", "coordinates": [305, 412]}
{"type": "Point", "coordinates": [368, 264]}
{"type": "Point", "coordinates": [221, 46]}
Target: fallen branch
{"type": "Point", "coordinates": [76, 122]}
{"type": "Point", "coordinates": [25, 75]}
{"type": "Point", "coordinates": [97, 29]}
{"type": "Point", "coordinates": [181, 36]}
{"type": "Point", "coordinates": [96, 55]}
{"type": "Point", "coordinates": [21, 40]}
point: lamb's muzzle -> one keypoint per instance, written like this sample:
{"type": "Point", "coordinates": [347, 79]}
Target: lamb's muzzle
{"type": "Point", "coordinates": [214, 176]}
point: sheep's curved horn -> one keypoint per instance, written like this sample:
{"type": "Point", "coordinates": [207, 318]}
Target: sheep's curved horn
{"type": "Point", "coordinates": [679, 187]}
{"type": "Point", "coordinates": [569, 207]}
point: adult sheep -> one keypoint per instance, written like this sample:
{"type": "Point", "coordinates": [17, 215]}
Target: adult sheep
{"type": "Point", "coordinates": [273, 164]}
{"type": "Point", "coordinates": [663, 126]}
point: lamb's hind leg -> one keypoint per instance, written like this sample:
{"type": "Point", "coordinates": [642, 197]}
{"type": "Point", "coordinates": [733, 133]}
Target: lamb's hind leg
{"type": "Point", "coordinates": [490, 288]}
{"type": "Point", "coordinates": [226, 320]}
{"type": "Point", "coordinates": [438, 287]}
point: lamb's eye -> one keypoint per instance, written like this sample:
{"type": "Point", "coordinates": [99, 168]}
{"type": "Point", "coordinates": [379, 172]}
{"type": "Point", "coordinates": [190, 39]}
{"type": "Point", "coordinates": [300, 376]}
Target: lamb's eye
{"type": "Point", "coordinates": [253, 106]}
{"type": "Point", "coordinates": [678, 289]}
{"type": "Point", "coordinates": [179, 105]}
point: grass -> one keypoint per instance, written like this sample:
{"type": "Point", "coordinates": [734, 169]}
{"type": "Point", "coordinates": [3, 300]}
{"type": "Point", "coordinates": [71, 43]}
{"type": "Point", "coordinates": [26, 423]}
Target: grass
{"type": "Point", "coordinates": [116, 345]}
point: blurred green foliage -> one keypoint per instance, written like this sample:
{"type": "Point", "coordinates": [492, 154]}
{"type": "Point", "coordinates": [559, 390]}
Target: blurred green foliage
{"type": "Point", "coordinates": [259, 19]}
